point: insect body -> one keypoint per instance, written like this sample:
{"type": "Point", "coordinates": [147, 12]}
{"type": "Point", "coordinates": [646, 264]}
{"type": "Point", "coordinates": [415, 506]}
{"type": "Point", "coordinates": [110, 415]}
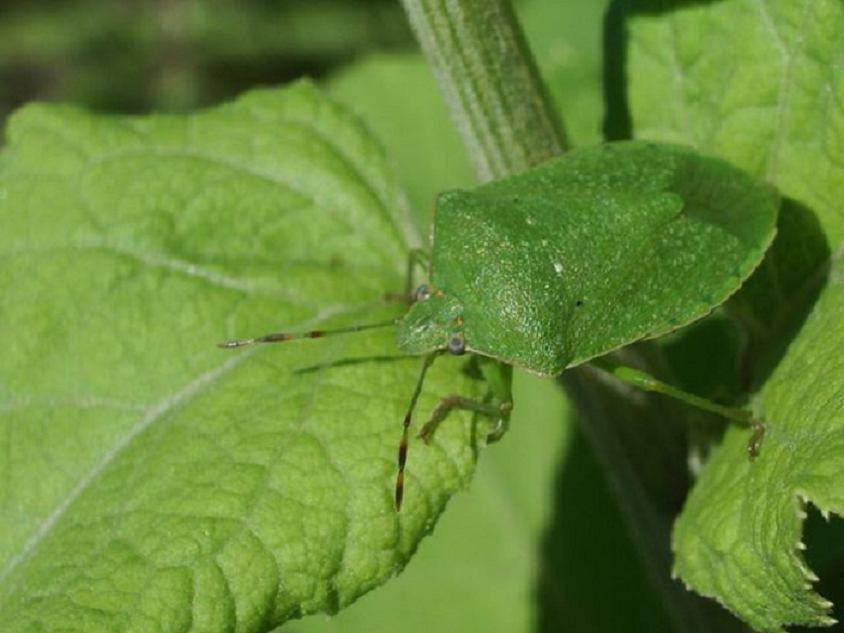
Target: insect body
{"type": "Point", "coordinates": [587, 253]}
{"type": "Point", "coordinates": [578, 257]}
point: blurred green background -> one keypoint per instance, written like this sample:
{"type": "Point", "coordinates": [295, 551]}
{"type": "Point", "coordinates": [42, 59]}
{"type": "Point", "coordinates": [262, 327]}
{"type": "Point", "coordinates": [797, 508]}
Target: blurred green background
{"type": "Point", "coordinates": [136, 56]}
{"type": "Point", "coordinates": [536, 543]}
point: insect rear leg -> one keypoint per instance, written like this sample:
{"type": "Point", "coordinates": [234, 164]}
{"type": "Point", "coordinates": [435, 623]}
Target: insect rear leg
{"type": "Point", "coordinates": [499, 411]}
{"type": "Point", "coordinates": [502, 424]}
{"type": "Point", "coordinates": [646, 382]}
{"type": "Point", "coordinates": [403, 444]}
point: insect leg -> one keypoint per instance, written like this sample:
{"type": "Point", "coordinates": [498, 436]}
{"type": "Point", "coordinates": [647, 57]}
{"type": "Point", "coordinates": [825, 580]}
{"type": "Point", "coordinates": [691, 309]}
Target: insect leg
{"type": "Point", "coordinates": [281, 337]}
{"type": "Point", "coordinates": [403, 444]}
{"type": "Point", "coordinates": [449, 403]}
{"type": "Point", "coordinates": [646, 382]}
{"type": "Point", "coordinates": [502, 424]}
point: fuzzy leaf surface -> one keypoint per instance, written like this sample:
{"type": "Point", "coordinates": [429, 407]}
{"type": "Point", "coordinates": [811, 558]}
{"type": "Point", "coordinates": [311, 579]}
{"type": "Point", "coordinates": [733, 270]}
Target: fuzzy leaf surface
{"type": "Point", "coordinates": [151, 481]}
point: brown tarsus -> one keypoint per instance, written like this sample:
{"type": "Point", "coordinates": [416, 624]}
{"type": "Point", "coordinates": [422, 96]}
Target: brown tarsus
{"type": "Point", "coordinates": [281, 337]}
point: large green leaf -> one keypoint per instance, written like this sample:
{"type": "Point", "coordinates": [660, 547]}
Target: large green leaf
{"type": "Point", "coordinates": [150, 480]}
{"type": "Point", "coordinates": [424, 148]}
{"type": "Point", "coordinates": [768, 98]}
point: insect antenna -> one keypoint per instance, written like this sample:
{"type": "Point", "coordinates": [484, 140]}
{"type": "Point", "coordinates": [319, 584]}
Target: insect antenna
{"type": "Point", "coordinates": [281, 337]}
{"type": "Point", "coordinates": [426, 363]}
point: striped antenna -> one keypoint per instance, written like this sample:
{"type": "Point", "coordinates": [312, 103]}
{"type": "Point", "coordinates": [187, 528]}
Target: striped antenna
{"type": "Point", "coordinates": [426, 363]}
{"type": "Point", "coordinates": [281, 337]}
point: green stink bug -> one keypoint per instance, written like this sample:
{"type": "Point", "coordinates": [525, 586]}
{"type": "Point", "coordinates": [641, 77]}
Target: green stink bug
{"type": "Point", "coordinates": [573, 259]}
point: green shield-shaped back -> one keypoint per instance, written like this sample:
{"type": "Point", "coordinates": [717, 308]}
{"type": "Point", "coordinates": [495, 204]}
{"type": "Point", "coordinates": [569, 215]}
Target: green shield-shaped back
{"type": "Point", "coordinates": [597, 249]}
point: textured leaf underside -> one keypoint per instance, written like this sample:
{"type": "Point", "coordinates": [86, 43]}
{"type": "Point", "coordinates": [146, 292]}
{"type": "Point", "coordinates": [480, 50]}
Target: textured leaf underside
{"type": "Point", "coordinates": [149, 480]}
{"type": "Point", "coordinates": [768, 98]}
{"type": "Point", "coordinates": [739, 537]}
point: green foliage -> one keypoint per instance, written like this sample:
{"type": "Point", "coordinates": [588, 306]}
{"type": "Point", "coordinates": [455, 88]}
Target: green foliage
{"type": "Point", "coordinates": [135, 55]}
{"type": "Point", "coordinates": [513, 486]}
{"type": "Point", "coordinates": [424, 150]}
{"type": "Point", "coordinates": [151, 480]}
{"type": "Point", "coordinates": [537, 534]}
{"type": "Point", "coordinates": [177, 483]}
{"type": "Point", "coordinates": [739, 537]}
{"type": "Point", "coordinates": [534, 543]}
{"type": "Point", "coordinates": [767, 98]}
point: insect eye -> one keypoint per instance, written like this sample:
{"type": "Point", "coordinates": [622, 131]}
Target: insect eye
{"type": "Point", "coordinates": [457, 344]}
{"type": "Point", "coordinates": [421, 293]}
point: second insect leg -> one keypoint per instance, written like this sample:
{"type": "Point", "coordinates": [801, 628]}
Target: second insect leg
{"type": "Point", "coordinates": [499, 411]}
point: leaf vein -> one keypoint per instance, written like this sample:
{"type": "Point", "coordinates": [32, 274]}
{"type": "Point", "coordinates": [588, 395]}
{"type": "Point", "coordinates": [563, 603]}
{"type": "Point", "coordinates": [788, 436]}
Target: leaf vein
{"type": "Point", "coordinates": [154, 414]}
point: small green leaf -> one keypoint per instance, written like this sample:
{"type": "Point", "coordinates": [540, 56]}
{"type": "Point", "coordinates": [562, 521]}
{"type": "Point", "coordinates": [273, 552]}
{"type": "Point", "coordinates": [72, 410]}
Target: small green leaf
{"type": "Point", "coordinates": [767, 98]}
{"type": "Point", "coordinates": [150, 480]}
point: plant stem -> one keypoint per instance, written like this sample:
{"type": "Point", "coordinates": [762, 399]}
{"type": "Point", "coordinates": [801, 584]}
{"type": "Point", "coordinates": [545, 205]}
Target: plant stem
{"type": "Point", "coordinates": [489, 80]}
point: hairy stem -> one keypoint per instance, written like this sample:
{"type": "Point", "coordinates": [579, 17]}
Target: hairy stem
{"type": "Point", "coordinates": [489, 80]}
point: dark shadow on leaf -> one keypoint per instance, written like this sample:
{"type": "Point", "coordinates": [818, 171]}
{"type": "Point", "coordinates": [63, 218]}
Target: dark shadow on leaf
{"type": "Point", "coordinates": [469, 368]}
{"type": "Point", "coordinates": [348, 362]}
{"type": "Point", "coordinates": [706, 357]}
{"type": "Point", "coordinates": [618, 124]}
{"type": "Point", "coordinates": [618, 121]}
{"type": "Point", "coordinates": [621, 542]}
{"type": "Point", "coordinates": [825, 555]}
{"type": "Point", "coordinates": [662, 6]}
{"type": "Point", "coordinates": [591, 578]}
{"type": "Point", "coordinates": [775, 302]}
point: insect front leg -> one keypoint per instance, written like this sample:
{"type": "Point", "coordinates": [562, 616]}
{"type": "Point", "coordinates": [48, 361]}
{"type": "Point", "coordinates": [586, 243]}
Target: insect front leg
{"type": "Point", "coordinates": [499, 411]}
